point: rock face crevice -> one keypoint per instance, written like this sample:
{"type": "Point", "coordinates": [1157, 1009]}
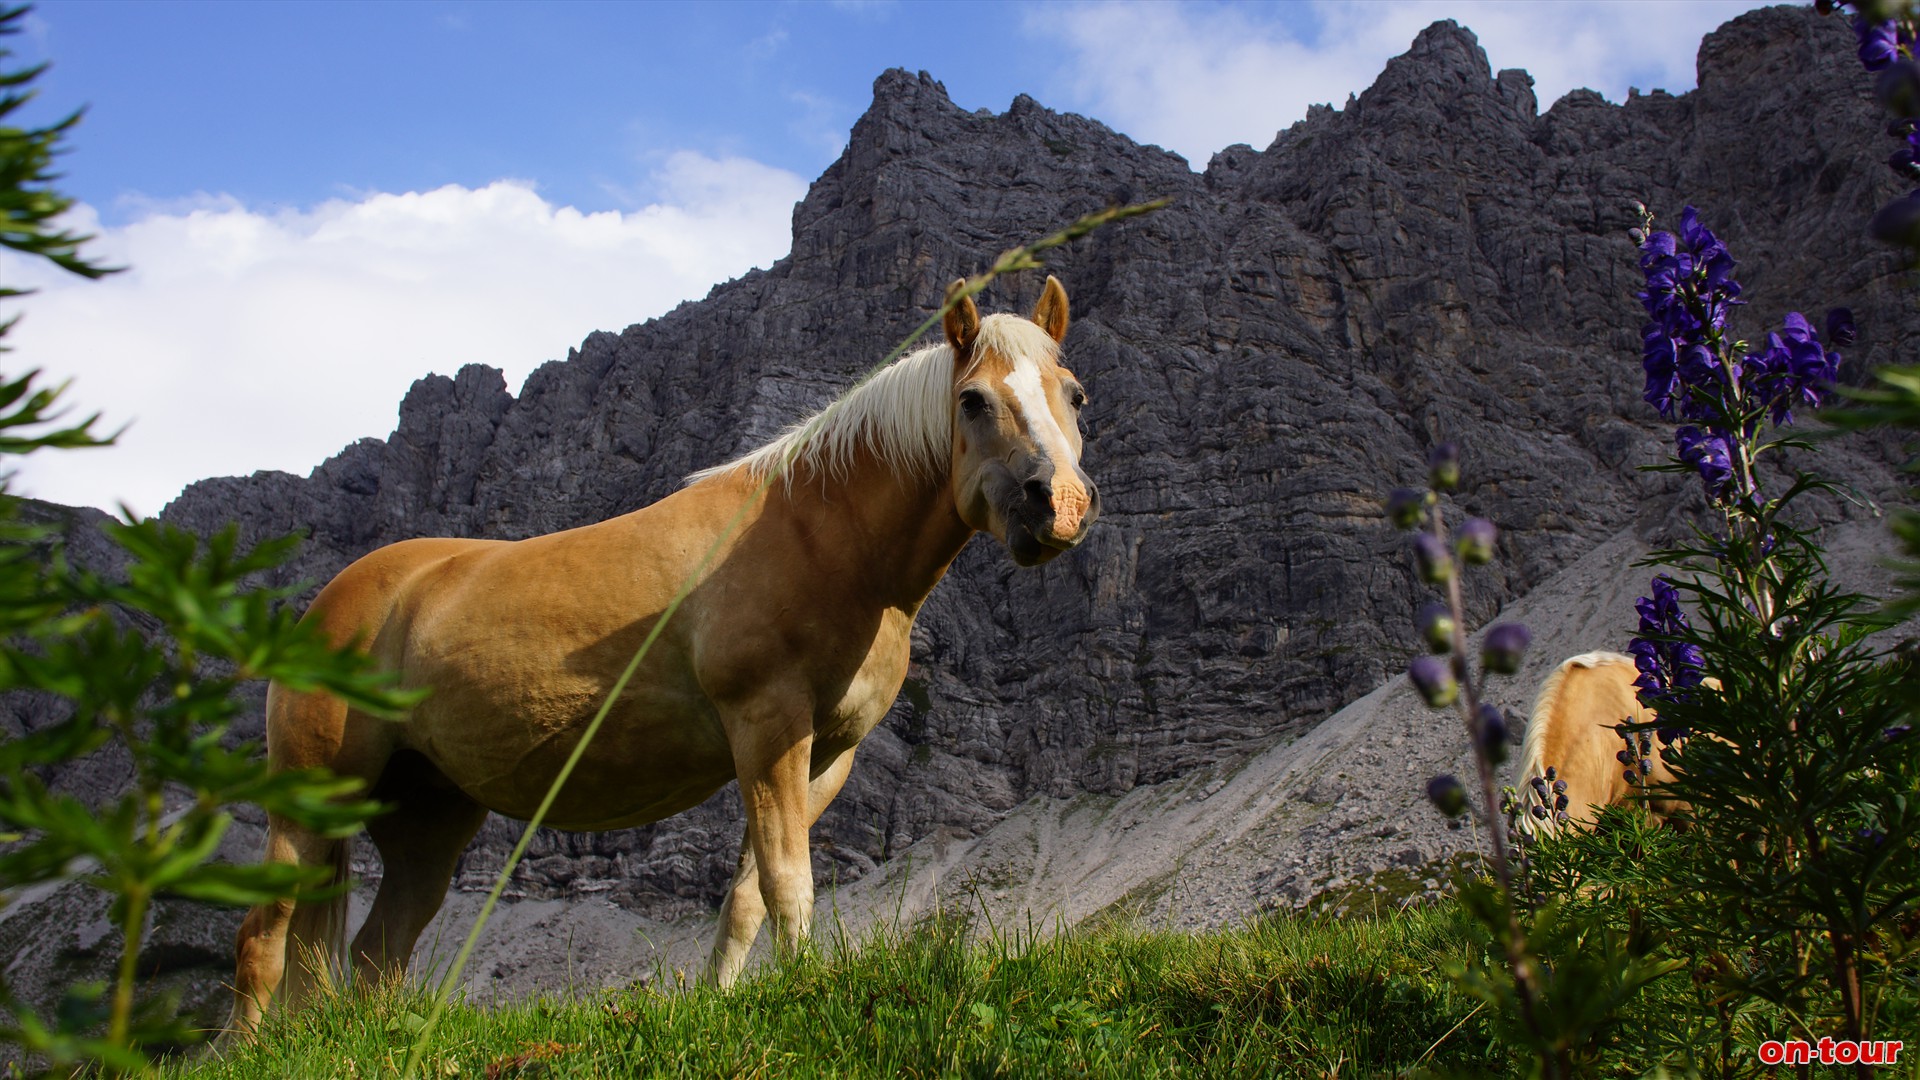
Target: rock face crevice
{"type": "Point", "coordinates": [1266, 358]}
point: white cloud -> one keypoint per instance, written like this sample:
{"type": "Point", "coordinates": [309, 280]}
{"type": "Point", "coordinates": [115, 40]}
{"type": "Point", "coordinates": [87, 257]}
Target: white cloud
{"type": "Point", "coordinates": [1197, 79]}
{"type": "Point", "coordinates": [243, 340]}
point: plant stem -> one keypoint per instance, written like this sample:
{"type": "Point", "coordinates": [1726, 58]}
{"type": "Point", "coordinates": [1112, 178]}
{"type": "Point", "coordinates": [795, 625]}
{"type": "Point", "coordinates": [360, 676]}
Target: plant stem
{"type": "Point", "coordinates": [1514, 942]}
{"type": "Point", "coordinates": [131, 931]}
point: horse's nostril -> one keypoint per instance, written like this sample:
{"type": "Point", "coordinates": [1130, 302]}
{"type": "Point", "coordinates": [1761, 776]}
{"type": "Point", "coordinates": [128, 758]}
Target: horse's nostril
{"type": "Point", "coordinates": [1038, 492]}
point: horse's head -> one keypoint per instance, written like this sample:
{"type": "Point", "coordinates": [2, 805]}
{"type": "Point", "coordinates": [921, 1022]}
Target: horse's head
{"type": "Point", "coordinates": [1016, 430]}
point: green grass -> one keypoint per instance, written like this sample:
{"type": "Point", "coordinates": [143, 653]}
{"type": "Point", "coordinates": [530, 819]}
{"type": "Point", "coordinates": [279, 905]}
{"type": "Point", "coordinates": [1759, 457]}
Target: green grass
{"type": "Point", "coordinates": [1289, 996]}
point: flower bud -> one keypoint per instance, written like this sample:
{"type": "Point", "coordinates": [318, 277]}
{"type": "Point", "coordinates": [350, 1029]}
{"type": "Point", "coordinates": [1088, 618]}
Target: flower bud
{"type": "Point", "coordinates": [1539, 812]}
{"type": "Point", "coordinates": [1559, 787]}
{"type": "Point", "coordinates": [1504, 647]}
{"type": "Point", "coordinates": [1404, 507]}
{"type": "Point", "coordinates": [1430, 558]}
{"type": "Point", "coordinates": [1448, 794]}
{"type": "Point", "coordinates": [1433, 677]}
{"type": "Point", "coordinates": [1490, 733]}
{"type": "Point", "coordinates": [1436, 627]}
{"type": "Point", "coordinates": [1630, 777]}
{"type": "Point", "coordinates": [1552, 773]}
{"type": "Point", "coordinates": [1477, 536]}
{"type": "Point", "coordinates": [1443, 466]}
{"type": "Point", "coordinates": [1624, 757]}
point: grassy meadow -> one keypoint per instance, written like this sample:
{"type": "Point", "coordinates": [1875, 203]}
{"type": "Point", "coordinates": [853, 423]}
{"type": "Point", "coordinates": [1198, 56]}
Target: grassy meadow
{"type": "Point", "coordinates": [1306, 996]}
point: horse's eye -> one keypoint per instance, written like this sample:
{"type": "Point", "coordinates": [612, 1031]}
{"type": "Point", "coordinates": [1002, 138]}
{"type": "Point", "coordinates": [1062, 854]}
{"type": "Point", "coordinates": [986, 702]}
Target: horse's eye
{"type": "Point", "coordinates": [1078, 399]}
{"type": "Point", "coordinates": [972, 404]}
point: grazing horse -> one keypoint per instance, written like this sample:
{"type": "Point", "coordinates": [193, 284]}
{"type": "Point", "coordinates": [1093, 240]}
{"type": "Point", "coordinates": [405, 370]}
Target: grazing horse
{"type": "Point", "coordinates": [1572, 729]}
{"type": "Point", "coordinates": [789, 649]}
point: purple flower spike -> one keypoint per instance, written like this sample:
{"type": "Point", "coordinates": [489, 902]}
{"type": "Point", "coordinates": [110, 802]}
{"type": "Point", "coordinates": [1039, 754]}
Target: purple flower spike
{"type": "Point", "coordinates": [1448, 794]}
{"type": "Point", "coordinates": [1669, 669]}
{"type": "Point", "coordinates": [1505, 646]}
{"type": "Point", "coordinates": [1477, 537]}
{"type": "Point", "coordinates": [1433, 677]}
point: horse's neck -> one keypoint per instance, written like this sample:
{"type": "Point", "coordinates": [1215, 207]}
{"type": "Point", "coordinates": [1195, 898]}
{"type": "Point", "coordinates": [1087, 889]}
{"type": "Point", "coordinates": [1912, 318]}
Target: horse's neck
{"type": "Point", "coordinates": [896, 534]}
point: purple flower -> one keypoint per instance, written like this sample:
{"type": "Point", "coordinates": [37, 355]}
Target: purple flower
{"type": "Point", "coordinates": [1658, 358]}
{"type": "Point", "coordinates": [1443, 465]}
{"type": "Point", "coordinates": [1709, 453]}
{"type": "Point", "coordinates": [1669, 669]}
{"type": "Point", "coordinates": [1879, 42]}
{"type": "Point", "coordinates": [1794, 369]}
{"type": "Point", "coordinates": [1477, 537]}
{"type": "Point", "coordinates": [1435, 622]}
{"type": "Point", "coordinates": [1448, 794]}
{"type": "Point", "coordinates": [1430, 558]}
{"type": "Point", "coordinates": [1504, 647]}
{"type": "Point", "coordinates": [1490, 733]}
{"type": "Point", "coordinates": [1840, 328]}
{"type": "Point", "coordinates": [1433, 677]}
{"type": "Point", "coordinates": [1404, 507]}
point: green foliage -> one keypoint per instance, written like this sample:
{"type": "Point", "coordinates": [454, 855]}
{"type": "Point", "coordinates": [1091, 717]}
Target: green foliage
{"type": "Point", "coordinates": [149, 666]}
{"type": "Point", "coordinates": [28, 202]}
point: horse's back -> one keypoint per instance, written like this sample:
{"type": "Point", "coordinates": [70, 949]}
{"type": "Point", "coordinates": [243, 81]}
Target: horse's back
{"type": "Point", "coordinates": [308, 729]}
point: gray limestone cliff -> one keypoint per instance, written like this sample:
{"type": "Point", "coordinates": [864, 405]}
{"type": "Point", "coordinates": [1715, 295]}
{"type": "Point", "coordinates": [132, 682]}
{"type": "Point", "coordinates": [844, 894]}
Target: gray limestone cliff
{"type": "Point", "coordinates": [1266, 358]}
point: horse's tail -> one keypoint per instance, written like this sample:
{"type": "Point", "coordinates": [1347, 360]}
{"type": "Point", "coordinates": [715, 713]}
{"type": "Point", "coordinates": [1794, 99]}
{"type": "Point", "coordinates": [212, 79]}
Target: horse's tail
{"type": "Point", "coordinates": [1547, 715]}
{"type": "Point", "coordinates": [317, 933]}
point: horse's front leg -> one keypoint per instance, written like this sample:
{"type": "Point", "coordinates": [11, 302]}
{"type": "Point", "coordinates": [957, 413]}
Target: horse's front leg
{"type": "Point", "coordinates": [745, 907]}
{"type": "Point", "coordinates": [772, 742]}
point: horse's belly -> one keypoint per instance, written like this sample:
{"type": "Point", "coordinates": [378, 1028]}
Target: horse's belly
{"type": "Point", "coordinates": [654, 756]}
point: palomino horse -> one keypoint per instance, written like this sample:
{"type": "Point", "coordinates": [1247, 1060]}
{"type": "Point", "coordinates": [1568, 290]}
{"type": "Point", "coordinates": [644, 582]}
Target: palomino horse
{"type": "Point", "coordinates": [1572, 729]}
{"type": "Point", "coordinates": [790, 648]}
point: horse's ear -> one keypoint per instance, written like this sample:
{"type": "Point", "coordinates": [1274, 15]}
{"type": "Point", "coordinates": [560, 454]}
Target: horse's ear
{"type": "Point", "coordinates": [1051, 311]}
{"type": "Point", "coordinates": [962, 322]}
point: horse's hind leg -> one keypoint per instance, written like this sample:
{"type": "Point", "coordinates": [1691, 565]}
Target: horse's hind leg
{"type": "Point", "coordinates": [420, 842]}
{"type": "Point", "coordinates": [308, 932]}
{"type": "Point", "coordinates": [745, 908]}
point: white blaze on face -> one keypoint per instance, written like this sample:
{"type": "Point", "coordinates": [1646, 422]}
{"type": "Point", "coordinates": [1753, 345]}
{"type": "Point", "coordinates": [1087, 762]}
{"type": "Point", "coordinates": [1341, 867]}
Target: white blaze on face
{"type": "Point", "coordinates": [1069, 497]}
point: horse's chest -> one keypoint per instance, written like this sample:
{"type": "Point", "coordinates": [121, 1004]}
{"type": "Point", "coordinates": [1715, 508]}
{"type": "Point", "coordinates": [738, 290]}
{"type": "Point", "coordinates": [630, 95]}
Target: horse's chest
{"type": "Point", "coordinates": [871, 690]}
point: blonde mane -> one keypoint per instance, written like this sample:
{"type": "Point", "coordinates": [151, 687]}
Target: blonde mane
{"type": "Point", "coordinates": [903, 414]}
{"type": "Point", "coordinates": [1533, 747]}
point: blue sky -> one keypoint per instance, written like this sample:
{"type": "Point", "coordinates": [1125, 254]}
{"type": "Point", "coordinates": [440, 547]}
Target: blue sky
{"type": "Point", "coordinates": [381, 190]}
